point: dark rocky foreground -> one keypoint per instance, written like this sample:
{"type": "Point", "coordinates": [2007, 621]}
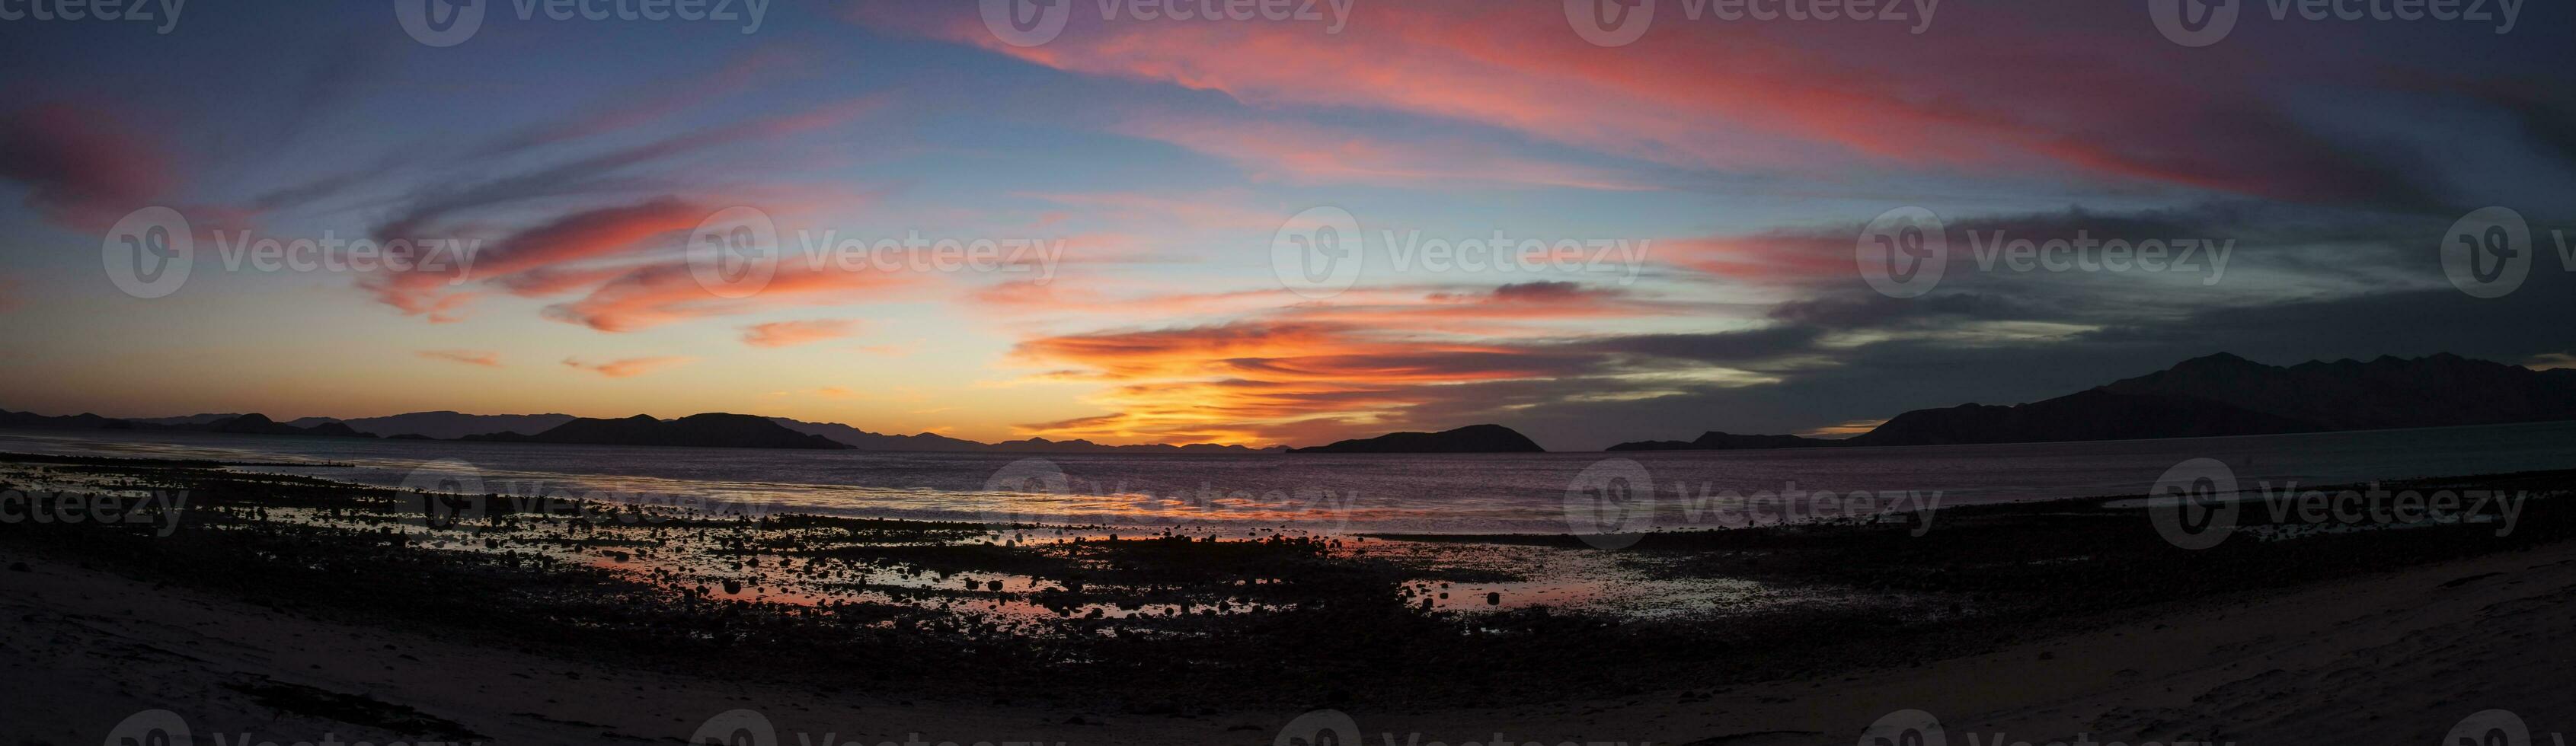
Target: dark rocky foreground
{"type": "Point", "coordinates": [1173, 623]}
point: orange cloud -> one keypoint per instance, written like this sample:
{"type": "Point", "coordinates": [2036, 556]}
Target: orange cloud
{"type": "Point", "coordinates": [790, 333]}
{"type": "Point", "coordinates": [1260, 381]}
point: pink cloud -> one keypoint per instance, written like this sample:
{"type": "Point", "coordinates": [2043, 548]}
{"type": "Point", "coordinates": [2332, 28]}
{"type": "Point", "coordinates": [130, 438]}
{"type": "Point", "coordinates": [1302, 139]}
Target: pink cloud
{"type": "Point", "coordinates": [527, 261]}
{"type": "Point", "coordinates": [1811, 99]}
{"type": "Point", "coordinates": [83, 169]}
{"type": "Point", "coordinates": [629, 367]}
{"type": "Point", "coordinates": [664, 293]}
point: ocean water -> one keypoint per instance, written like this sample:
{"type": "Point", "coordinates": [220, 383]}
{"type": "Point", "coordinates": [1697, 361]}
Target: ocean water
{"type": "Point", "coordinates": [1464, 493]}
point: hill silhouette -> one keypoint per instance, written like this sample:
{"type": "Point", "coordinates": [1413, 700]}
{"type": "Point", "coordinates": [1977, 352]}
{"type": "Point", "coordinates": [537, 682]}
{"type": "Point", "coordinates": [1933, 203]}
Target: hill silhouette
{"type": "Point", "coordinates": [240, 424]}
{"type": "Point", "coordinates": [451, 425]}
{"type": "Point", "coordinates": [1718, 441]}
{"type": "Point", "coordinates": [444, 424]}
{"type": "Point", "coordinates": [1469, 439]}
{"type": "Point", "coordinates": [2223, 394]}
{"type": "Point", "coordinates": [712, 430]}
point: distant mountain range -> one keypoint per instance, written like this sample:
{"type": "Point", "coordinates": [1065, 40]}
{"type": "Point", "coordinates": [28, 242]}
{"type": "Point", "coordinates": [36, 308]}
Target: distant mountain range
{"type": "Point", "coordinates": [2224, 394]}
{"type": "Point", "coordinates": [1469, 439]}
{"type": "Point", "coordinates": [712, 430]}
{"type": "Point", "coordinates": [542, 428]}
{"type": "Point", "coordinates": [241, 424]}
{"type": "Point", "coordinates": [446, 425]}
{"type": "Point", "coordinates": [2215, 395]}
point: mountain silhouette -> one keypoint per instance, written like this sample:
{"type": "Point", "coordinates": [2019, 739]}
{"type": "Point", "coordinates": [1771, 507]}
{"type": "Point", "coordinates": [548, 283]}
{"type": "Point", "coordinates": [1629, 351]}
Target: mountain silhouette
{"type": "Point", "coordinates": [260, 424]}
{"type": "Point", "coordinates": [1469, 439]}
{"type": "Point", "coordinates": [451, 425]}
{"type": "Point", "coordinates": [82, 421]}
{"type": "Point", "coordinates": [2223, 394]}
{"type": "Point", "coordinates": [713, 430]}
{"type": "Point", "coordinates": [444, 425]}
{"type": "Point", "coordinates": [2388, 392]}
{"type": "Point", "coordinates": [195, 419]}
{"type": "Point", "coordinates": [1718, 441]}
{"type": "Point", "coordinates": [237, 424]}
{"type": "Point", "coordinates": [2092, 414]}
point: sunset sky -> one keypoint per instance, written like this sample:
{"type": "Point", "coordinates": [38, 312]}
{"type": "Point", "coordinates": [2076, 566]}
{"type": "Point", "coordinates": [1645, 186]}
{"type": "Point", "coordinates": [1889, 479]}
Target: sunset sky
{"type": "Point", "coordinates": [1738, 159]}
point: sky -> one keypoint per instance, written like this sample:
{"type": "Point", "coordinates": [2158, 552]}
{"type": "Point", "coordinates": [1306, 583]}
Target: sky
{"type": "Point", "coordinates": [1264, 223]}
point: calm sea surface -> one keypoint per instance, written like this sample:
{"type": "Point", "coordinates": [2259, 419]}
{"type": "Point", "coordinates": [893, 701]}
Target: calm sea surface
{"type": "Point", "coordinates": [1333, 493]}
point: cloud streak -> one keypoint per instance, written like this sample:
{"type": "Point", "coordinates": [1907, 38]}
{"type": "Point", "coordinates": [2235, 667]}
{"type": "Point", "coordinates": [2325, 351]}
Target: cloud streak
{"type": "Point", "coordinates": [468, 357]}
